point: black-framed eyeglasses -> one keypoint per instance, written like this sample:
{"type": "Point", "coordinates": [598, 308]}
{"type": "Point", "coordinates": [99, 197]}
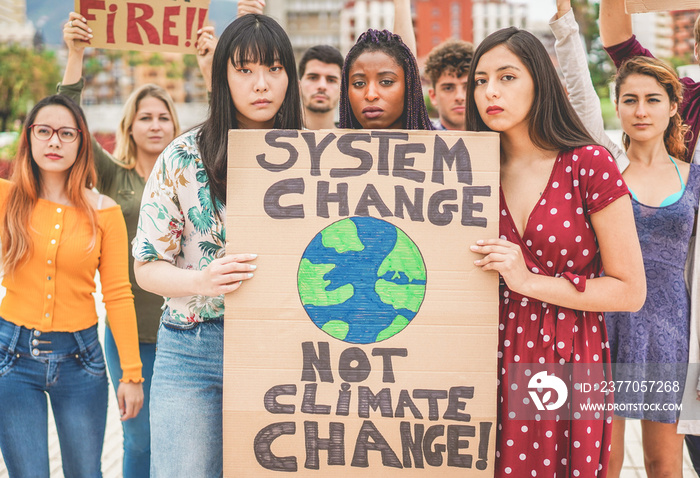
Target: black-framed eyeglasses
{"type": "Point", "coordinates": [44, 132]}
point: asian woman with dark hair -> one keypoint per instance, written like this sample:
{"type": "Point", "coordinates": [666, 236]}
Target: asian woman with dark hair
{"type": "Point", "coordinates": [254, 86]}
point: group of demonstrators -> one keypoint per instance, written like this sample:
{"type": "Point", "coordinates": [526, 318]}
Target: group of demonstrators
{"type": "Point", "coordinates": [592, 249]}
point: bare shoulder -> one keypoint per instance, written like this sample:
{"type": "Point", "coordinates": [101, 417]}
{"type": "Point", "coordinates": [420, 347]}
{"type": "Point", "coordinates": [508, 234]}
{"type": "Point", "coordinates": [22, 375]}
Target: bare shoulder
{"type": "Point", "coordinates": [682, 165]}
{"type": "Point", "coordinates": [684, 169]}
{"type": "Point", "coordinates": [99, 201]}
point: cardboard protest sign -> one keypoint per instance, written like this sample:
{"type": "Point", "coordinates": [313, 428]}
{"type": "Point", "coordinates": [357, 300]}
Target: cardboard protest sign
{"type": "Point", "coordinates": [642, 6]}
{"type": "Point", "coordinates": [367, 338]}
{"type": "Point", "coordinates": [153, 25]}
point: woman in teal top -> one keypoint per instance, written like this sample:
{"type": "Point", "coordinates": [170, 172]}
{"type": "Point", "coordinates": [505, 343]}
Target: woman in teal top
{"type": "Point", "coordinates": [148, 124]}
{"type": "Point", "coordinates": [651, 344]}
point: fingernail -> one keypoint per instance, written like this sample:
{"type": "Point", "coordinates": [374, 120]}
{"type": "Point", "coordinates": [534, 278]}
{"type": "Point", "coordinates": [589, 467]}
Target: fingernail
{"type": "Point", "coordinates": [477, 262]}
{"type": "Point", "coordinates": [480, 242]}
{"type": "Point", "coordinates": [253, 256]}
{"type": "Point", "coordinates": [474, 248]}
{"type": "Point", "coordinates": [199, 31]}
{"type": "Point", "coordinates": [90, 36]}
{"type": "Point", "coordinates": [84, 19]}
{"type": "Point", "coordinates": [253, 266]}
{"type": "Point", "coordinates": [250, 275]}
{"type": "Point", "coordinates": [90, 30]}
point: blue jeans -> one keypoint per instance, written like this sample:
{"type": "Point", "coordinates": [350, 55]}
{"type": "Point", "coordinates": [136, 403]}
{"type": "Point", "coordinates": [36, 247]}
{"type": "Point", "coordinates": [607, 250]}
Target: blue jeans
{"type": "Point", "coordinates": [137, 431]}
{"type": "Point", "coordinates": [70, 368]}
{"type": "Point", "coordinates": [186, 400]}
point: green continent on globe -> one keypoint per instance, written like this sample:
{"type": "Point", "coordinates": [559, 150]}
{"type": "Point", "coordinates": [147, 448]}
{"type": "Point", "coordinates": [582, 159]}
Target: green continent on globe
{"type": "Point", "coordinates": [400, 296]}
{"type": "Point", "coordinates": [399, 323]}
{"type": "Point", "coordinates": [404, 257]}
{"type": "Point", "coordinates": [312, 286]}
{"type": "Point", "coordinates": [336, 328]}
{"type": "Point", "coordinates": [342, 236]}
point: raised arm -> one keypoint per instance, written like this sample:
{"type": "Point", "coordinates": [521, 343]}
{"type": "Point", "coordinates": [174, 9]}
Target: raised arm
{"type": "Point", "coordinates": [75, 33]}
{"type": "Point", "coordinates": [206, 44]}
{"type": "Point", "coordinates": [403, 24]}
{"type": "Point", "coordinates": [574, 64]}
{"type": "Point", "coordinates": [250, 6]}
{"type": "Point", "coordinates": [615, 22]}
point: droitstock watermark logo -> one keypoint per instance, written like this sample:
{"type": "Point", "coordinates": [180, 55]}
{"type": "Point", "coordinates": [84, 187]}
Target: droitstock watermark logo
{"type": "Point", "coordinates": [541, 386]}
{"type": "Point", "coordinates": [596, 391]}
{"type": "Point", "coordinates": [553, 391]}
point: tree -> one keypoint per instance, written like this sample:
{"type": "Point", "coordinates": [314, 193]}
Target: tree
{"type": "Point", "coordinates": [599, 64]}
{"type": "Point", "coordinates": [26, 76]}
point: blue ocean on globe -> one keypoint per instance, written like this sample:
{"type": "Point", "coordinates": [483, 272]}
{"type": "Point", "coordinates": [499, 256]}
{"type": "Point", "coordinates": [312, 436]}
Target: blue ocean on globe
{"type": "Point", "coordinates": [361, 280]}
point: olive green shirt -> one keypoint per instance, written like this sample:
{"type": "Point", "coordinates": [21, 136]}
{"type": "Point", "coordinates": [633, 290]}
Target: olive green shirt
{"type": "Point", "coordinates": [125, 186]}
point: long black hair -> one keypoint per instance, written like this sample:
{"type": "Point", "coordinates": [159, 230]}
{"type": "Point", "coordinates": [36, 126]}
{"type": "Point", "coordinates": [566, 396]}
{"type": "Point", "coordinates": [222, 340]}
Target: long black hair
{"type": "Point", "coordinates": [552, 122]}
{"type": "Point", "coordinates": [415, 114]}
{"type": "Point", "coordinates": [248, 39]}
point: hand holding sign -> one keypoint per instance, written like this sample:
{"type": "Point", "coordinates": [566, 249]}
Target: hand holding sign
{"type": "Point", "coordinates": [250, 6]}
{"type": "Point", "coordinates": [206, 44]}
{"type": "Point", "coordinates": [506, 258]}
{"type": "Point", "coordinates": [76, 33]}
{"type": "Point", "coordinates": [225, 274]}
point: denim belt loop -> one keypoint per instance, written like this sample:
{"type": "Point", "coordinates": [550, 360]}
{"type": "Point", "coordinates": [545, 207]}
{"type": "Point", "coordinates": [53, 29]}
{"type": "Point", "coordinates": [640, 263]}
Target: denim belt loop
{"type": "Point", "coordinates": [79, 339]}
{"type": "Point", "coordinates": [15, 338]}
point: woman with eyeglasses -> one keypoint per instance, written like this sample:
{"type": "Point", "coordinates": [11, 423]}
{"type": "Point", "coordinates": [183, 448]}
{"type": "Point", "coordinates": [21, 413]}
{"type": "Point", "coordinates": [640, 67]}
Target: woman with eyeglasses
{"type": "Point", "coordinates": [56, 233]}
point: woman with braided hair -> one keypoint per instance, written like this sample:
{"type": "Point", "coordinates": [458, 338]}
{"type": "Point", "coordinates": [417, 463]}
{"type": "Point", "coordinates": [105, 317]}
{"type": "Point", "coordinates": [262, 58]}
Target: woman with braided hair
{"type": "Point", "coordinates": [381, 87]}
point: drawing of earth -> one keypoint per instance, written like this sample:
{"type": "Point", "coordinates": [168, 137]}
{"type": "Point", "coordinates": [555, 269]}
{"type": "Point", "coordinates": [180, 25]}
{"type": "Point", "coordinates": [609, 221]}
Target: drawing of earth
{"type": "Point", "coordinates": [361, 280]}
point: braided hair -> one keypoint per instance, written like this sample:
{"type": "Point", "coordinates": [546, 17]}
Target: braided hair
{"type": "Point", "coordinates": [415, 114]}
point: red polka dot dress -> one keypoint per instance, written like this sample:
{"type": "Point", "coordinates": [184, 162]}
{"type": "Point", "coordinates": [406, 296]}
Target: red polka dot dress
{"type": "Point", "coordinates": [558, 241]}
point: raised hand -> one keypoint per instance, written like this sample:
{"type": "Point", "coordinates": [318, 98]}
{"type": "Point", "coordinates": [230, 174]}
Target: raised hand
{"type": "Point", "coordinates": [206, 44]}
{"type": "Point", "coordinates": [250, 6]}
{"type": "Point", "coordinates": [563, 6]}
{"type": "Point", "coordinates": [76, 33]}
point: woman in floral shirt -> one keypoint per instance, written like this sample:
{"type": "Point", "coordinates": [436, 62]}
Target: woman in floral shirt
{"type": "Point", "coordinates": [180, 244]}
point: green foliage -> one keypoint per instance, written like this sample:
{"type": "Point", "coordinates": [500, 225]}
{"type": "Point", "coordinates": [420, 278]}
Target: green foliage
{"type": "Point", "coordinates": [610, 118]}
{"type": "Point", "coordinates": [432, 111]}
{"type": "Point", "coordinates": [92, 66]}
{"type": "Point", "coordinates": [190, 61]}
{"type": "Point", "coordinates": [174, 69]}
{"type": "Point", "coordinates": [26, 76]}
{"type": "Point", "coordinates": [684, 60]}
{"type": "Point", "coordinates": [599, 64]}
{"type": "Point", "coordinates": [156, 60]}
{"type": "Point", "coordinates": [134, 58]}
{"type": "Point", "coordinates": [9, 151]}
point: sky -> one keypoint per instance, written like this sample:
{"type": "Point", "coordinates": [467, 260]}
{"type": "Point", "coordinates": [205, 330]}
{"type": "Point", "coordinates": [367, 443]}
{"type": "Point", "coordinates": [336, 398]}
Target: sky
{"type": "Point", "coordinates": [539, 10]}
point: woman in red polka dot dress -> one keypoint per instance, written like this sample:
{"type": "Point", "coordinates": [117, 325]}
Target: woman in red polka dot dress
{"type": "Point", "coordinates": [565, 216]}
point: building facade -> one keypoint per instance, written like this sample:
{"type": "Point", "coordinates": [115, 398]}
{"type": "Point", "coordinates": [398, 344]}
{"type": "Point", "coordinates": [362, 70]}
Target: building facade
{"type": "Point", "coordinates": [14, 26]}
{"type": "Point", "coordinates": [438, 20]}
{"type": "Point", "coordinates": [359, 15]}
{"type": "Point", "coordinates": [492, 15]}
